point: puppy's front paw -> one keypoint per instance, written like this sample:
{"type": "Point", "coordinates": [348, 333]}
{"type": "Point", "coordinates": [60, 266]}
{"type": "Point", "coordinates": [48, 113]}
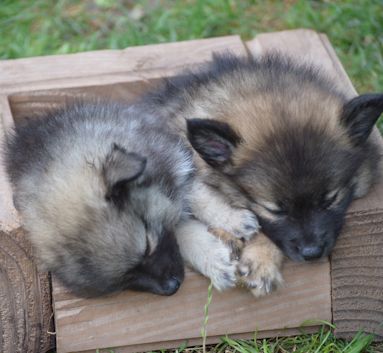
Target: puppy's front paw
{"type": "Point", "coordinates": [222, 267]}
{"type": "Point", "coordinates": [242, 223]}
{"type": "Point", "coordinates": [260, 267]}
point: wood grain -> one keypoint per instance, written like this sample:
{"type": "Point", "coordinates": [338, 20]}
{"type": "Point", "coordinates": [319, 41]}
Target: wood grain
{"type": "Point", "coordinates": [25, 298]}
{"type": "Point", "coordinates": [29, 105]}
{"type": "Point", "coordinates": [357, 276]}
{"type": "Point", "coordinates": [131, 319]}
{"type": "Point", "coordinates": [357, 262]}
{"type": "Point", "coordinates": [9, 218]}
{"type": "Point", "coordinates": [109, 66]}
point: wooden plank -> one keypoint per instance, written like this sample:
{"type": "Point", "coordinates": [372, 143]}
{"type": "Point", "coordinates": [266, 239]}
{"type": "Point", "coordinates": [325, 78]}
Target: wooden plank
{"type": "Point", "coordinates": [8, 215]}
{"type": "Point", "coordinates": [28, 105]}
{"type": "Point", "coordinates": [357, 261]}
{"type": "Point", "coordinates": [25, 298]}
{"type": "Point", "coordinates": [131, 319]}
{"type": "Point", "coordinates": [196, 342]}
{"type": "Point", "coordinates": [357, 276]}
{"type": "Point", "coordinates": [109, 66]}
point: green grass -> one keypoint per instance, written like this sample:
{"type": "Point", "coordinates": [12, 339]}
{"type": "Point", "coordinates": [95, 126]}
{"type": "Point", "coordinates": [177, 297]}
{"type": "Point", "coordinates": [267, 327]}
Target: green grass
{"type": "Point", "coordinates": [323, 341]}
{"type": "Point", "coordinates": [355, 28]}
{"type": "Point", "coordinates": [41, 27]}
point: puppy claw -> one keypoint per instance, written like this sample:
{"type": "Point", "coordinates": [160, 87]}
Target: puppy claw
{"type": "Point", "coordinates": [259, 267]}
{"type": "Point", "coordinates": [243, 270]}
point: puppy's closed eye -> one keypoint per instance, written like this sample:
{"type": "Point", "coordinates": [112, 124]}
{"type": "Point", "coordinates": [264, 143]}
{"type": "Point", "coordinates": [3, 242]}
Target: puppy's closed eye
{"type": "Point", "coordinates": [333, 198]}
{"type": "Point", "coordinates": [269, 210]}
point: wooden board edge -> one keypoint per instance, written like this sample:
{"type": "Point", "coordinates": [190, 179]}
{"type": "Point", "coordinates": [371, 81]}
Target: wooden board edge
{"type": "Point", "coordinates": [131, 64]}
{"type": "Point", "coordinates": [9, 218]}
{"type": "Point", "coordinates": [210, 340]}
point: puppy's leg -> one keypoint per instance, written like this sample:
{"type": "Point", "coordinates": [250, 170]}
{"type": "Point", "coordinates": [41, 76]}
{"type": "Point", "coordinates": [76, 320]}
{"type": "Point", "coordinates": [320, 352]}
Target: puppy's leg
{"type": "Point", "coordinates": [211, 208]}
{"type": "Point", "coordinates": [207, 254]}
{"type": "Point", "coordinates": [260, 266]}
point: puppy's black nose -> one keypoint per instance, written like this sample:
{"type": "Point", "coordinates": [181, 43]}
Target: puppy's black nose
{"type": "Point", "coordinates": [311, 252]}
{"type": "Point", "coordinates": [171, 285]}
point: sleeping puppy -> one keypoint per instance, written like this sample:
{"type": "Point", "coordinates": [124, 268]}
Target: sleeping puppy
{"type": "Point", "coordinates": [277, 138]}
{"type": "Point", "coordinates": [100, 188]}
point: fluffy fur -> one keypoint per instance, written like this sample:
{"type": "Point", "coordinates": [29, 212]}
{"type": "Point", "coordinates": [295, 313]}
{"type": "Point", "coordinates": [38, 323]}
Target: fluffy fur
{"type": "Point", "coordinates": [277, 138]}
{"type": "Point", "coordinates": [100, 188]}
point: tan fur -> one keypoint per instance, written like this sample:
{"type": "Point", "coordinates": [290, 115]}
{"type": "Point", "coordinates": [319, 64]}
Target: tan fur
{"type": "Point", "coordinates": [213, 209]}
{"type": "Point", "coordinates": [242, 115]}
{"type": "Point", "coordinates": [260, 266]}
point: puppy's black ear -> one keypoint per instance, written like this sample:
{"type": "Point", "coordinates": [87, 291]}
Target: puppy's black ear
{"type": "Point", "coordinates": [213, 140]}
{"type": "Point", "coordinates": [360, 114]}
{"type": "Point", "coordinates": [120, 168]}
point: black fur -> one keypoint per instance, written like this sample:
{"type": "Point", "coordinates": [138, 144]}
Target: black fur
{"type": "Point", "coordinates": [175, 92]}
{"type": "Point", "coordinates": [299, 165]}
{"type": "Point", "coordinates": [360, 114]}
{"type": "Point", "coordinates": [213, 140]}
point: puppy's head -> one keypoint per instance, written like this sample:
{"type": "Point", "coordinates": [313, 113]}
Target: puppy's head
{"type": "Point", "coordinates": [303, 175]}
{"type": "Point", "coordinates": [115, 219]}
{"type": "Point", "coordinates": [102, 208]}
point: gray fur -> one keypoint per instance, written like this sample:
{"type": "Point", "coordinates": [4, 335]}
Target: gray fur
{"type": "Point", "coordinates": [100, 188]}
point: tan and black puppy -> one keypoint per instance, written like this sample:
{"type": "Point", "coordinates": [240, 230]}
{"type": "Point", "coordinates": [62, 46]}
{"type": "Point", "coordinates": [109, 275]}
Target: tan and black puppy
{"type": "Point", "coordinates": [278, 138]}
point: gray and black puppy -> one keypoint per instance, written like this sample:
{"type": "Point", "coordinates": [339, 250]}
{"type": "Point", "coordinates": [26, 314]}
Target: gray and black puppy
{"type": "Point", "coordinates": [100, 188]}
{"type": "Point", "coordinates": [280, 139]}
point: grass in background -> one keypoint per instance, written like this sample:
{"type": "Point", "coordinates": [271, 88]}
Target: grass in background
{"type": "Point", "coordinates": [42, 27]}
{"type": "Point", "coordinates": [355, 29]}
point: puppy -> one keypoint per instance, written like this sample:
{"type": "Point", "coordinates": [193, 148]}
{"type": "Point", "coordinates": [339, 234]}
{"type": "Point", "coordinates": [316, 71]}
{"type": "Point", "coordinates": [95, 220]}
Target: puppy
{"type": "Point", "coordinates": [100, 188]}
{"type": "Point", "coordinates": [277, 138]}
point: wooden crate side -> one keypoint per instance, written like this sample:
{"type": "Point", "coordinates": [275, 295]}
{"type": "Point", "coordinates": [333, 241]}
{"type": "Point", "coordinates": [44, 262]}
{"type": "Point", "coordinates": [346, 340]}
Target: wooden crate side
{"type": "Point", "coordinates": [357, 276]}
{"type": "Point", "coordinates": [109, 66]}
{"type": "Point", "coordinates": [357, 261]}
{"type": "Point", "coordinates": [29, 105]}
{"type": "Point", "coordinates": [26, 316]}
{"type": "Point", "coordinates": [195, 342]}
{"type": "Point", "coordinates": [8, 215]}
{"type": "Point", "coordinates": [137, 320]}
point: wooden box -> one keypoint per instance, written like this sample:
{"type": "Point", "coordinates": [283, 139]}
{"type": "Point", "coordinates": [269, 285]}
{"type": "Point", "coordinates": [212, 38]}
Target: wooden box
{"type": "Point", "coordinates": [347, 290]}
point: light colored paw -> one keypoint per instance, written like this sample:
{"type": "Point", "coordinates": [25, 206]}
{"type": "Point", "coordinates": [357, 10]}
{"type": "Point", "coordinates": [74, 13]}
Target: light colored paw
{"type": "Point", "coordinates": [242, 223]}
{"type": "Point", "coordinates": [207, 253]}
{"type": "Point", "coordinates": [221, 267]}
{"type": "Point", "coordinates": [260, 269]}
